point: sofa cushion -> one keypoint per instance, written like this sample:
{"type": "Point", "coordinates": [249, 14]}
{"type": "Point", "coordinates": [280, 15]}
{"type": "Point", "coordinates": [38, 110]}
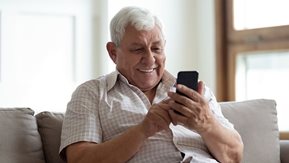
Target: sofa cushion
{"type": "Point", "coordinates": [18, 158]}
{"type": "Point", "coordinates": [256, 121]}
{"type": "Point", "coordinates": [20, 141]}
{"type": "Point", "coordinates": [49, 125]}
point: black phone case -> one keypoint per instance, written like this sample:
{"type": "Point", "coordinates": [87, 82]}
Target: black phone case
{"type": "Point", "coordinates": [189, 79]}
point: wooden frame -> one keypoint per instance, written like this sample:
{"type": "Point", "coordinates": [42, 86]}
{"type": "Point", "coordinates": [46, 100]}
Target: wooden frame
{"type": "Point", "coordinates": [261, 39]}
{"type": "Point", "coordinates": [221, 60]}
{"type": "Point", "coordinates": [230, 43]}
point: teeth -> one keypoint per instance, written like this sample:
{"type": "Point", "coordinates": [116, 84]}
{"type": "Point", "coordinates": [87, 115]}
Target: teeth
{"type": "Point", "coordinates": [147, 71]}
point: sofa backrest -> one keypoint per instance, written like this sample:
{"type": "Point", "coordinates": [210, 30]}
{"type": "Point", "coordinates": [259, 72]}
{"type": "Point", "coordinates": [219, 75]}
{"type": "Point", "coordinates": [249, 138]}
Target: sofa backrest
{"type": "Point", "coordinates": [49, 126]}
{"type": "Point", "coordinates": [20, 141]}
{"type": "Point", "coordinates": [256, 121]}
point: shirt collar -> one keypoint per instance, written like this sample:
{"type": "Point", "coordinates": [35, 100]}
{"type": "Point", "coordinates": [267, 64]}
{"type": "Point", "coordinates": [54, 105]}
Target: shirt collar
{"type": "Point", "coordinates": [168, 79]}
{"type": "Point", "coordinates": [111, 79]}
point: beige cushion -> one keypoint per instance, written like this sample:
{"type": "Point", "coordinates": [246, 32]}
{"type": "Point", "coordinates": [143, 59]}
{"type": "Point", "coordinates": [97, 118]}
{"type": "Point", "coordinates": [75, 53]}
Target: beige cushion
{"type": "Point", "coordinates": [50, 125]}
{"type": "Point", "coordinates": [18, 158]}
{"type": "Point", "coordinates": [256, 121]}
{"type": "Point", "coordinates": [20, 141]}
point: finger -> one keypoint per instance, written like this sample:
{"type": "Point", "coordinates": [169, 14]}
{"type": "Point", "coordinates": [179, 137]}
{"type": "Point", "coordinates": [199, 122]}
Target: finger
{"type": "Point", "coordinates": [201, 87]}
{"type": "Point", "coordinates": [176, 118]}
{"type": "Point", "coordinates": [161, 110]}
{"type": "Point", "coordinates": [171, 113]}
{"type": "Point", "coordinates": [180, 108]}
{"type": "Point", "coordinates": [183, 100]}
{"type": "Point", "coordinates": [164, 106]}
{"type": "Point", "coordinates": [177, 97]}
{"type": "Point", "coordinates": [190, 93]}
{"type": "Point", "coordinates": [166, 101]}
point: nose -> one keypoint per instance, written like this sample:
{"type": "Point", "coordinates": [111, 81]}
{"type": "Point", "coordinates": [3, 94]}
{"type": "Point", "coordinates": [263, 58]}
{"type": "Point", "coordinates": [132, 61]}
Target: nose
{"type": "Point", "coordinates": [149, 58]}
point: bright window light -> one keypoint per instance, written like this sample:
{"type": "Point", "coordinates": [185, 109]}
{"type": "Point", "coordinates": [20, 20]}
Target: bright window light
{"type": "Point", "coordinates": [249, 14]}
{"type": "Point", "coordinates": [265, 75]}
{"type": "Point", "coordinates": [37, 62]}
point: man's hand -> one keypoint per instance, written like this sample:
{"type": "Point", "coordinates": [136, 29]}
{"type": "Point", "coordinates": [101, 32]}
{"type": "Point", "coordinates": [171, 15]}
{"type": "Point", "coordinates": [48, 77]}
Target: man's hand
{"type": "Point", "coordinates": [224, 144]}
{"type": "Point", "coordinates": [195, 112]}
{"type": "Point", "coordinates": [157, 118]}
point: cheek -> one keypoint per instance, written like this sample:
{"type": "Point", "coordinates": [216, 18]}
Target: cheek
{"type": "Point", "coordinates": [127, 61]}
{"type": "Point", "coordinates": [134, 59]}
{"type": "Point", "coordinates": [161, 59]}
{"type": "Point", "coordinates": [122, 59]}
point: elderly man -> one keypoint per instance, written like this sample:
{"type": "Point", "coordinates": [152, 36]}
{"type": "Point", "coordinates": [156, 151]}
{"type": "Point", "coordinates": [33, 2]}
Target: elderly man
{"type": "Point", "coordinates": [130, 115]}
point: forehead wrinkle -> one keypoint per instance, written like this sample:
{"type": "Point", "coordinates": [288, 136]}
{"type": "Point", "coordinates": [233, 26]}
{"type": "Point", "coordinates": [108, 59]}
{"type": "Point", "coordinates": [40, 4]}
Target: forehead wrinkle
{"type": "Point", "coordinates": [148, 37]}
{"type": "Point", "coordinates": [136, 44]}
{"type": "Point", "coordinates": [141, 44]}
{"type": "Point", "coordinates": [143, 37]}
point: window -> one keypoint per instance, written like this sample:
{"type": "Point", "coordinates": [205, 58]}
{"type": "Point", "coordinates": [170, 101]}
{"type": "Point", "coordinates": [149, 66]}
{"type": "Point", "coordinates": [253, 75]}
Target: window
{"type": "Point", "coordinates": [253, 52]}
{"type": "Point", "coordinates": [40, 58]}
{"type": "Point", "coordinates": [265, 75]}
{"type": "Point", "coordinates": [251, 14]}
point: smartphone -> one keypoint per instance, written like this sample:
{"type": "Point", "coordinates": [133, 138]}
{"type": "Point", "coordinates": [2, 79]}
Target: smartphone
{"type": "Point", "coordinates": [189, 79]}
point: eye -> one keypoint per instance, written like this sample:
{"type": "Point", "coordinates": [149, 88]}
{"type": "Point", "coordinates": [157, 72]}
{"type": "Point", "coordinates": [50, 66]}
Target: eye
{"type": "Point", "coordinates": [137, 50]}
{"type": "Point", "coordinates": [157, 49]}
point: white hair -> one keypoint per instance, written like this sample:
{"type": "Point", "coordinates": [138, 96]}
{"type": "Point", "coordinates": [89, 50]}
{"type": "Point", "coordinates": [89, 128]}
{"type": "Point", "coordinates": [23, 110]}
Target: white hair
{"type": "Point", "coordinates": [140, 18]}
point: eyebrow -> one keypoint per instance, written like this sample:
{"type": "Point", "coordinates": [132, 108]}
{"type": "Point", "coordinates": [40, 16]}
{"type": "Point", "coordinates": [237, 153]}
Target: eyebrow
{"type": "Point", "coordinates": [136, 44]}
{"type": "Point", "coordinates": [140, 44]}
{"type": "Point", "coordinates": [157, 43]}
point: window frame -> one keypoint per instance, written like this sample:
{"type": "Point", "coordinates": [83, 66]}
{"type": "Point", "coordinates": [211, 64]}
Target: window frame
{"type": "Point", "coordinates": [230, 43]}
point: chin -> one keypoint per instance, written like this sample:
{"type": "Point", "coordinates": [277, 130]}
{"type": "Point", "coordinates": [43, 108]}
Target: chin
{"type": "Point", "coordinates": [148, 85]}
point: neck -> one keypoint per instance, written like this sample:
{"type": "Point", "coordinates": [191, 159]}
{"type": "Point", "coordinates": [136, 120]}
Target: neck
{"type": "Point", "coordinates": [150, 94]}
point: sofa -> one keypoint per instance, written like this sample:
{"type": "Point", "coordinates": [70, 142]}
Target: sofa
{"type": "Point", "coordinates": [29, 138]}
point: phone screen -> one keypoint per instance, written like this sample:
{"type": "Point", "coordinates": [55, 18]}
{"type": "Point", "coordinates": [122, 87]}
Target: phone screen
{"type": "Point", "coordinates": [189, 79]}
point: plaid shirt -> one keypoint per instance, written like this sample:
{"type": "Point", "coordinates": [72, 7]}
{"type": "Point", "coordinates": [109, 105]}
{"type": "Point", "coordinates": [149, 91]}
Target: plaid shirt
{"type": "Point", "coordinates": [103, 108]}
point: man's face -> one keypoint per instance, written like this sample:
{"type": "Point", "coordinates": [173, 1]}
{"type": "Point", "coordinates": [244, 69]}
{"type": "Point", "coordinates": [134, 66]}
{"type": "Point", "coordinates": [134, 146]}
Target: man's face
{"type": "Point", "coordinates": [140, 57]}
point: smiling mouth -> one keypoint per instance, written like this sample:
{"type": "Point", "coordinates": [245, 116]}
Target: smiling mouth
{"type": "Point", "coordinates": [147, 70]}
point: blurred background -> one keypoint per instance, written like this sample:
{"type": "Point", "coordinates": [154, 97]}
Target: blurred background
{"type": "Point", "coordinates": [49, 47]}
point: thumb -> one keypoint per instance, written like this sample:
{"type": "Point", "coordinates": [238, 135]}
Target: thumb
{"type": "Point", "coordinates": [201, 87]}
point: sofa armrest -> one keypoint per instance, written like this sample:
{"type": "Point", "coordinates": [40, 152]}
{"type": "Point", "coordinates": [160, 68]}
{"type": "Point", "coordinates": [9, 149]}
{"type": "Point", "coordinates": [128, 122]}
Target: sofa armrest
{"type": "Point", "coordinates": [284, 150]}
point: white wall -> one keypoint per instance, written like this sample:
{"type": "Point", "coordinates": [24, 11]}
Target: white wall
{"type": "Point", "coordinates": [180, 28]}
{"type": "Point", "coordinates": [205, 39]}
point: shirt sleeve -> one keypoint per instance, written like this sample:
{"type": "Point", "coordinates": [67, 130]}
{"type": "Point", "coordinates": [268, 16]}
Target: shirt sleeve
{"type": "Point", "coordinates": [216, 108]}
{"type": "Point", "coordinates": [81, 121]}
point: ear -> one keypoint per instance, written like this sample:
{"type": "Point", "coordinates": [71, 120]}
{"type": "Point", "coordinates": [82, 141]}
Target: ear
{"type": "Point", "coordinates": [111, 49]}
